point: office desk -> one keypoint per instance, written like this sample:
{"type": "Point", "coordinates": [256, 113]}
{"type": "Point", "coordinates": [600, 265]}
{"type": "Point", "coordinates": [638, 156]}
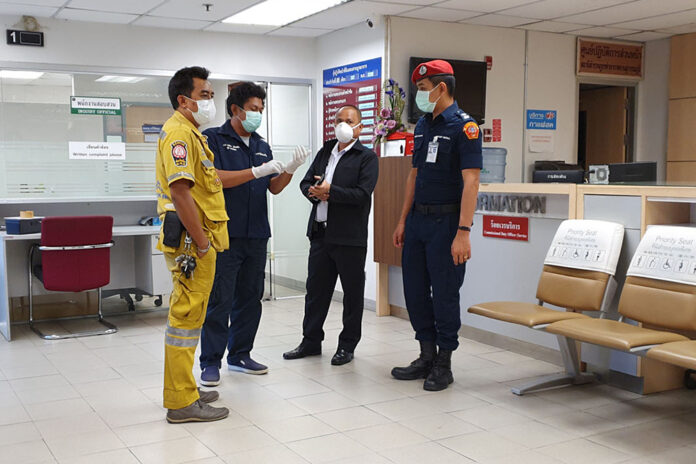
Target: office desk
{"type": "Point", "coordinates": [135, 263]}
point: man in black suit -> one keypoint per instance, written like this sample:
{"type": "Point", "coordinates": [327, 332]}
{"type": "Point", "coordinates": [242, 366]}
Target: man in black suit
{"type": "Point", "coordinates": [339, 183]}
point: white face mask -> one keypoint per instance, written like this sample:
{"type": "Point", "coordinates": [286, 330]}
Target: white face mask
{"type": "Point", "coordinates": [206, 111]}
{"type": "Point", "coordinates": [344, 133]}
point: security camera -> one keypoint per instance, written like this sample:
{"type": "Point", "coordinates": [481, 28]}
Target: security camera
{"type": "Point", "coordinates": [369, 23]}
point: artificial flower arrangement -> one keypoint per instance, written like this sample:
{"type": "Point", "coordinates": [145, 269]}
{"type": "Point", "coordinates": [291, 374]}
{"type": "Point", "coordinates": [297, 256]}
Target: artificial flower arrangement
{"type": "Point", "coordinates": [390, 110]}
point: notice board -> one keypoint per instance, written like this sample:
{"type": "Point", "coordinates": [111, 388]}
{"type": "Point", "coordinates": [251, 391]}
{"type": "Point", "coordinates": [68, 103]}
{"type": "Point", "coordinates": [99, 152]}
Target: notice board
{"type": "Point", "coordinates": [610, 59]}
{"type": "Point", "coordinates": [357, 84]}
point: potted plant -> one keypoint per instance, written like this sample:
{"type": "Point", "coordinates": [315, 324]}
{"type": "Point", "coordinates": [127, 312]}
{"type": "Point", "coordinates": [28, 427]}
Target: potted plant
{"type": "Point", "coordinates": [391, 108]}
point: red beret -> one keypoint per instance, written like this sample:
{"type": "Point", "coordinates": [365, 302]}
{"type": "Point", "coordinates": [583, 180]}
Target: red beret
{"type": "Point", "coordinates": [431, 68]}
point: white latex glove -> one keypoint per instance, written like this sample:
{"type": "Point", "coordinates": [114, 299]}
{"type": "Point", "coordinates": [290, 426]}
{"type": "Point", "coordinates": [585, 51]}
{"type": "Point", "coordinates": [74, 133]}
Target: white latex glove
{"type": "Point", "coordinates": [267, 169]}
{"type": "Point", "coordinates": [299, 156]}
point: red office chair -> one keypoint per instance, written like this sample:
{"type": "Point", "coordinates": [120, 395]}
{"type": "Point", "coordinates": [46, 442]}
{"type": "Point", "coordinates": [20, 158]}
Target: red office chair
{"type": "Point", "coordinates": [75, 254]}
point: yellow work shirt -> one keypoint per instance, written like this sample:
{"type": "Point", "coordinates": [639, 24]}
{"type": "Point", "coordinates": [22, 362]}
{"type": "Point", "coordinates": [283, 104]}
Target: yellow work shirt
{"type": "Point", "coordinates": [183, 153]}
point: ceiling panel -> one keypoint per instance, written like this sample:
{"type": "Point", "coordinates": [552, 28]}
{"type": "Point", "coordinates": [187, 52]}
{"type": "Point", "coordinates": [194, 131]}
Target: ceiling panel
{"type": "Point", "coordinates": [95, 16]}
{"type": "Point", "coordinates": [440, 14]}
{"type": "Point", "coordinates": [683, 29]}
{"type": "Point", "coordinates": [661, 22]}
{"type": "Point", "coordinates": [549, 9]}
{"type": "Point", "coordinates": [553, 26]}
{"type": "Point", "coordinates": [120, 6]}
{"type": "Point", "coordinates": [499, 20]}
{"type": "Point", "coordinates": [170, 23]}
{"type": "Point", "coordinates": [36, 2]}
{"type": "Point", "coordinates": [486, 6]}
{"type": "Point", "coordinates": [644, 36]}
{"type": "Point", "coordinates": [351, 13]}
{"type": "Point", "coordinates": [290, 31]}
{"type": "Point", "coordinates": [605, 32]}
{"type": "Point", "coordinates": [413, 2]}
{"type": "Point", "coordinates": [193, 9]}
{"type": "Point", "coordinates": [241, 28]}
{"type": "Point", "coordinates": [27, 10]}
{"type": "Point", "coordinates": [630, 11]}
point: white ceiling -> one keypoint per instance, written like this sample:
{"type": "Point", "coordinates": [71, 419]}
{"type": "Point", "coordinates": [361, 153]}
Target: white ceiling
{"type": "Point", "coordinates": [639, 20]}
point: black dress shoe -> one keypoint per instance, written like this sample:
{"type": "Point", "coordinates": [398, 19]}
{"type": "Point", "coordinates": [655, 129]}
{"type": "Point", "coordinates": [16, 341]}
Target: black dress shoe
{"type": "Point", "coordinates": [341, 357]}
{"type": "Point", "coordinates": [301, 351]}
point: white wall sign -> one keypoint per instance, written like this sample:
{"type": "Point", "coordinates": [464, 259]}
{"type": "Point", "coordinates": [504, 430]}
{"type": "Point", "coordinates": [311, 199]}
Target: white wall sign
{"type": "Point", "coordinates": [586, 244]}
{"type": "Point", "coordinates": [540, 141]}
{"type": "Point", "coordinates": [95, 105]}
{"type": "Point", "coordinates": [666, 253]}
{"type": "Point", "coordinates": [105, 151]}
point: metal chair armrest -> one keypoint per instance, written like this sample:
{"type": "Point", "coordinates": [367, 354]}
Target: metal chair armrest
{"type": "Point", "coordinates": [77, 247]}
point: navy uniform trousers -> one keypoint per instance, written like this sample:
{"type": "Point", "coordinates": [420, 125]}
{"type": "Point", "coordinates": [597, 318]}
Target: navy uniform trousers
{"type": "Point", "coordinates": [235, 302]}
{"type": "Point", "coordinates": [431, 280]}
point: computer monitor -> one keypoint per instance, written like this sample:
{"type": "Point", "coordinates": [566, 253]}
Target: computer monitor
{"type": "Point", "coordinates": [469, 92]}
{"type": "Point", "coordinates": [633, 172]}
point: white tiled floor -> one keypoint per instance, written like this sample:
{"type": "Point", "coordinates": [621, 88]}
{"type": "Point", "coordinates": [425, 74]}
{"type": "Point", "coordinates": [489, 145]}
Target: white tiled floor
{"type": "Point", "coordinates": [98, 400]}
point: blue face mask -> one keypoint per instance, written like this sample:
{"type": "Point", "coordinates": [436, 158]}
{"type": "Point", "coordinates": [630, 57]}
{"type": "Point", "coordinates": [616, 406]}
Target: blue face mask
{"type": "Point", "coordinates": [423, 101]}
{"type": "Point", "coordinates": [252, 121]}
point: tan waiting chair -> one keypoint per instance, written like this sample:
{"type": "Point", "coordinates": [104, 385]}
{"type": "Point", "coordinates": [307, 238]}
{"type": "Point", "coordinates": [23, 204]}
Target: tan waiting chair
{"type": "Point", "coordinates": [572, 288]}
{"type": "Point", "coordinates": [650, 296]}
{"type": "Point", "coordinates": [682, 354]}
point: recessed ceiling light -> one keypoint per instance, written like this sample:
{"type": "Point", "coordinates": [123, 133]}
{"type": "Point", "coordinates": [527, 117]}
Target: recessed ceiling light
{"type": "Point", "coordinates": [121, 79]}
{"type": "Point", "coordinates": [280, 12]}
{"type": "Point", "coordinates": [6, 74]}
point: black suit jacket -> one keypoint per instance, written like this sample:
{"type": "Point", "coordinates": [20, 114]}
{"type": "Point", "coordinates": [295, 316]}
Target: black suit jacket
{"type": "Point", "coordinates": [350, 197]}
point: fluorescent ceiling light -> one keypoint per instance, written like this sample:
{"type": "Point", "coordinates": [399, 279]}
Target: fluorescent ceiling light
{"type": "Point", "coordinates": [280, 12]}
{"type": "Point", "coordinates": [121, 79]}
{"type": "Point", "coordinates": [20, 74]}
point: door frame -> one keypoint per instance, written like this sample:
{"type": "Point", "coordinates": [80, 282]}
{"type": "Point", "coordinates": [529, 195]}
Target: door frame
{"type": "Point", "coordinates": [632, 112]}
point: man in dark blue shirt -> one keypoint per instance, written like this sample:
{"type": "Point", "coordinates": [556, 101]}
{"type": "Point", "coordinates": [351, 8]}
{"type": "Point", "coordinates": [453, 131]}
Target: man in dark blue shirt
{"type": "Point", "coordinates": [435, 222]}
{"type": "Point", "coordinates": [247, 170]}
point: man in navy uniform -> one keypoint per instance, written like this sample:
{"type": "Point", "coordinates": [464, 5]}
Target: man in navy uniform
{"type": "Point", "coordinates": [247, 170]}
{"type": "Point", "coordinates": [435, 222]}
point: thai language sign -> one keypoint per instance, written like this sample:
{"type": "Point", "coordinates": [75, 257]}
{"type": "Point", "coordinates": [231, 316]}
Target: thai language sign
{"type": "Point", "coordinates": [507, 227]}
{"type": "Point", "coordinates": [357, 84]}
{"type": "Point", "coordinates": [95, 105]}
{"type": "Point", "coordinates": [606, 58]}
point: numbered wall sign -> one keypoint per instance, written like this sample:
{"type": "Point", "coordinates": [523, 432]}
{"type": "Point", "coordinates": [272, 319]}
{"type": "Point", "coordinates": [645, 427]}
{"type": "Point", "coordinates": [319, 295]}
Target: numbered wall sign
{"type": "Point", "coordinates": [29, 38]}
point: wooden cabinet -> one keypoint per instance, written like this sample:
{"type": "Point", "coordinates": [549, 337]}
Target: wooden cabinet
{"type": "Point", "coordinates": [681, 141]}
{"type": "Point", "coordinates": [682, 72]}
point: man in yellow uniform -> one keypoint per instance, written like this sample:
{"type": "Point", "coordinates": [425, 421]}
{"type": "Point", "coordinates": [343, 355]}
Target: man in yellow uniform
{"type": "Point", "coordinates": [192, 207]}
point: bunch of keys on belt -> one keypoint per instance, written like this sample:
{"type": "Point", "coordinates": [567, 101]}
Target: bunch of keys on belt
{"type": "Point", "coordinates": [187, 262]}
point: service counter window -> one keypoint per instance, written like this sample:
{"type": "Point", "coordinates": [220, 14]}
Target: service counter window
{"type": "Point", "coordinates": [79, 135]}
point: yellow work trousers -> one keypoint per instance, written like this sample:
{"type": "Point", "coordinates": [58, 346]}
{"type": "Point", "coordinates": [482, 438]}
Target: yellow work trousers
{"type": "Point", "coordinates": [187, 307]}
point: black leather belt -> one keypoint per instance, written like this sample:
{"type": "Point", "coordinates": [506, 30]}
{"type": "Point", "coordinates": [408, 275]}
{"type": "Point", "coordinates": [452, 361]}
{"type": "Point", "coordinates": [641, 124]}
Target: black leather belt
{"type": "Point", "coordinates": [436, 209]}
{"type": "Point", "coordinates": [318, 226]}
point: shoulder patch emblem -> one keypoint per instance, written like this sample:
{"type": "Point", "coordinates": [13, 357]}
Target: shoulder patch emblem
{"type": "Point", "coordinates": [180, 154]}
{"type": "Point", "coordinates": [471, 129]}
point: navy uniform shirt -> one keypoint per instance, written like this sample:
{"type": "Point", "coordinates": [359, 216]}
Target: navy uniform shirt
{"type": "Point", "coordinates": [246, 204]}
{"type": "Point", "coordinates": [458, 139]}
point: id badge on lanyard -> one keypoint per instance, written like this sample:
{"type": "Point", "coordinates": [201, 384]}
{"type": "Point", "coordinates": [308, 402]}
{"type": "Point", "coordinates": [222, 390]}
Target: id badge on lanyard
{"type": "Point", "coordinates": [432, 152]}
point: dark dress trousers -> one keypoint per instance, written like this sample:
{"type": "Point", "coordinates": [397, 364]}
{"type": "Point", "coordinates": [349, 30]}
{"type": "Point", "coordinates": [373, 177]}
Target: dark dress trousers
{"type": "Point", "coordinates": [338, 246]}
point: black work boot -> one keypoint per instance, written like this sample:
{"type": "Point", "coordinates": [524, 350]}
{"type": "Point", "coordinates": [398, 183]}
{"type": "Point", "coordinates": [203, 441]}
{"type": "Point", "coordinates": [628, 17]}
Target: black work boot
{"type": "Point", "coordinates": [420, 368]}
{"type": "Point", "coordinates": [441, 374]}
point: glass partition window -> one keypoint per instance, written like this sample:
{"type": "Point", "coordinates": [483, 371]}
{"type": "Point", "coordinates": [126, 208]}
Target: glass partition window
{"type": "Point", "coordinates": [37, 123]}
{"type": "Point", "coordinates": [289, 121]}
